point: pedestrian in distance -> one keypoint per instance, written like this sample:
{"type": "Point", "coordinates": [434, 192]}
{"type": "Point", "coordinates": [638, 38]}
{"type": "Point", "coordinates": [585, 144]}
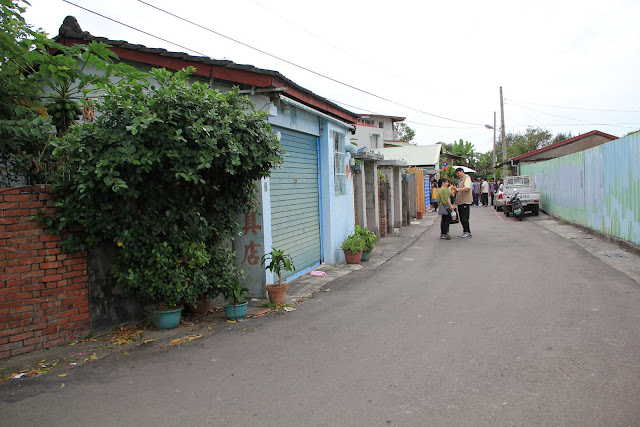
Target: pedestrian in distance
{"type": "Point", "coordinates": [475, 187]}
{"type": "Point", "coordinates": [493, 187]}
{"type": "Point", "coordinates": [445, 207]}
{"type": "Point", "coordinates": [434, 194]}
{"type": "Point", "coordinates": [484, 188]}
{"type": "Point", "coordinates": [463, 201]}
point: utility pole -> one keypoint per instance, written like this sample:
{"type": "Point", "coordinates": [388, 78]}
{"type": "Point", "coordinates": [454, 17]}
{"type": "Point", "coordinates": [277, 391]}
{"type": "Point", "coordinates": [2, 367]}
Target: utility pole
{"type": "Point", "coordinates": [495, 155]}
{"type": "Point", "coordinates": [504, 141]}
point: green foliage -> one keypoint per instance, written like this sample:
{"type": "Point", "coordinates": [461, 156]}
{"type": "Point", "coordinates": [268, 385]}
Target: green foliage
{"type": "Point", "coordinates": [235, 293]}
{"type": "Point", "coordinates": [402, 132]}
{"type": "Point", "coordinates": [279, 261]}
{"type": "Point", "coordinates": [369, 237]}
{"type": "Point", "coordinates": [163, 172]}
{"type": "Point", "coordinates": [354, 243]}
{"type": "Point", "coordinates": [382, 178]}
{"type": "Point", "coordinates": [483, 165]}
{"type": "Point", "coordinates": [41, 82]}
{"type": "Point", "coordinates": [531, 140]}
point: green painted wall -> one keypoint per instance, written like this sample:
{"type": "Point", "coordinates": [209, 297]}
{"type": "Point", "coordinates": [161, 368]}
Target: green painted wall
{"type": "Point", "coordinates": [598, 188]}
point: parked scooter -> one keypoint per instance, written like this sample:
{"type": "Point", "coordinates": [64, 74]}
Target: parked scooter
{"type": "Point", "coordinates": [516, 207]}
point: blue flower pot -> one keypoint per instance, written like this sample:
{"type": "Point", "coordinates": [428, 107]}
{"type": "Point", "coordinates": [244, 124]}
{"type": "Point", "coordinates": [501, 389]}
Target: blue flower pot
{"type": "Point", "coordinates": [167, 319]}
{"type": "Point", "coordinates": [365, 256]}
{"type": "Point", "coordinates": [240, 311]}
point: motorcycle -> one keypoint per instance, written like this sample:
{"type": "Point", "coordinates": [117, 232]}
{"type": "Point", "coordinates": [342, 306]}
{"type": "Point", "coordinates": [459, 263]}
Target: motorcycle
{"type": "Point", "coordinates": [516, 207]}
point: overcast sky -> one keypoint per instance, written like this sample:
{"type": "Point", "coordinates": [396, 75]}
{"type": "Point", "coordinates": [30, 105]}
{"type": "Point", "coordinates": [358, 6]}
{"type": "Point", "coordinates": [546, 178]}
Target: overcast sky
{"type": "Point", "coordinates": [563, 65]}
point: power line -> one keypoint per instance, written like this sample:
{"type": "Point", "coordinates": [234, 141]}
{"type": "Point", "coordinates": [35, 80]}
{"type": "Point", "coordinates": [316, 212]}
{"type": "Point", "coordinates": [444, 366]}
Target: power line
{"type": "Point", "coordinates": [263, 52]}
{"type": "Point", "coordinates": [574, 108]}
{"type": "Point", "coordinates": [407, 121]}
{"type": "Point", "coordinates": [571, 118]}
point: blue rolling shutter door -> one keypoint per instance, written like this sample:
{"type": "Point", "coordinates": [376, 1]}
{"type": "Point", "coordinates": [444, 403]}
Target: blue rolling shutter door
{"type": "Point", "coordinates": [295, 200]}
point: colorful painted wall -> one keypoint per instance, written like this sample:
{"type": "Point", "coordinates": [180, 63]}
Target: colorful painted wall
{"type": "Point", "coordinates": [598, 188]}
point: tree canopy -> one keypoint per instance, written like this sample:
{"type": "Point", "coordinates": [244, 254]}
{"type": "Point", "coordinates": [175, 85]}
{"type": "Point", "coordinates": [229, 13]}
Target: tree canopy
{"type": "Point", "coordinates": [402, 132]}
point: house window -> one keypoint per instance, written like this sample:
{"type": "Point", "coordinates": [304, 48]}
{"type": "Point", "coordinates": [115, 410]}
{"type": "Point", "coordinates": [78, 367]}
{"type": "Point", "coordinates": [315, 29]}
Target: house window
{"type": "Point", "coordinates": [368, 122]}
{"type": "Point", "coordinates": [381, 125]}
{"type": "Point", "coordinates": [340, 164]}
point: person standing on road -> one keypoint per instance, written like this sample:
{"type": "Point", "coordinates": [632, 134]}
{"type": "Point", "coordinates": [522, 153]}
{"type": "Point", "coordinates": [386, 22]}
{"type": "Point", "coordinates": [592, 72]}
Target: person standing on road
{"type": "Point", "coordinates": [493, 187]}
{"type": "Point", "coordinates": [475, 188]}
{"type": "Point", "coordinates": [463, 201]}
{"type": "Point", "coordinates": [444, 208]}
{"type": "Point", "coordinates": [484, 188]}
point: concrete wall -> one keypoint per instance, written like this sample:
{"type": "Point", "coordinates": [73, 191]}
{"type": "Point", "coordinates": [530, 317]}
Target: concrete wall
{"type": "Point", "coordinates": [372, 209]}
{"type": "Point", "coordinates": [598, 188]}
{"type": "Point", "coordinates": [363, 133]}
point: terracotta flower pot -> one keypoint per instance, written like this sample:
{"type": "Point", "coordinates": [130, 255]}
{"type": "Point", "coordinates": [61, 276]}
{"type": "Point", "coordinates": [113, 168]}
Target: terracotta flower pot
{"type": "Point", "coordinates": [202, 308]}
{"type": "Point", "coordinates": [277, 293]}
{"type": "Point", "coordinates": [353, 258]}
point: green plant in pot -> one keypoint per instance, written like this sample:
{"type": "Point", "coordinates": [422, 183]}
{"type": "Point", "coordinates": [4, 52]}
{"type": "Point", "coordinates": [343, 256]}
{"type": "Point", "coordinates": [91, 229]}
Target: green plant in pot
{"type": "Point", "coordinates": [279, 261]}
{"type": "Point", "coordinates": [236, 296]}
{"type": "Point", "coordinates": [353, 246]}
{"type": "Point", "coordinates": [370, 239]}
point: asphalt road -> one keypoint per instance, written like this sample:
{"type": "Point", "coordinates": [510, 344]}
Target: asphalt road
{"type": "Point", "coordinates": [516, 326]}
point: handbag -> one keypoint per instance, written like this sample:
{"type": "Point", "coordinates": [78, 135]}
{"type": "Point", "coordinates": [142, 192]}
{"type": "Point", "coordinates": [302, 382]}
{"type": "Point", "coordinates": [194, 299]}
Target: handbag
{"type": "Point", "coordinates": [444, 210]}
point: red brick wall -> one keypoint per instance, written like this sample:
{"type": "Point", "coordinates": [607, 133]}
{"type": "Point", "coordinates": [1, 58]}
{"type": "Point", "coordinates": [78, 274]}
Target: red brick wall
{"type": "Point", "coordinates": [43, 290]}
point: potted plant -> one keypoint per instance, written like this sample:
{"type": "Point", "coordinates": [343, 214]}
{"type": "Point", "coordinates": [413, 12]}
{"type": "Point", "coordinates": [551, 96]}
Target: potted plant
{"type": "Point", "coordinates": [208, 281]}
{"type": "Point", "coordinates": [370, 239]}
{"type": "Point", "coordinates": [235, 294]}
{"type": "Point", "coordinates": [279, 261]}
{"type": "Point", "coordinates": [353, 246]}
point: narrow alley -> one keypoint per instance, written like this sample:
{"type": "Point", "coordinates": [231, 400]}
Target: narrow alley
{"type": "Point", "coordinates": [517, 325]}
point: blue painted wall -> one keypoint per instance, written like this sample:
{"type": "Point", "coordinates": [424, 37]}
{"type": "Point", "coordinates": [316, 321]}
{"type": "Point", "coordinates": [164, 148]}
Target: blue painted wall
{"type": "Point", "coordinates": [338, 212]}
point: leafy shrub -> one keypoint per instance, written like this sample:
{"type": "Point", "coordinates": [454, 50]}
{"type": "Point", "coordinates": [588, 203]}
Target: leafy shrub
{"type": "Point", "coordinates": [163, 172]}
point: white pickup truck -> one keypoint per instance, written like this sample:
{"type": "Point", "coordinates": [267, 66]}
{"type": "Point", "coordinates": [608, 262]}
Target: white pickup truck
{"type": "Point", "coordinates": [523, 185]}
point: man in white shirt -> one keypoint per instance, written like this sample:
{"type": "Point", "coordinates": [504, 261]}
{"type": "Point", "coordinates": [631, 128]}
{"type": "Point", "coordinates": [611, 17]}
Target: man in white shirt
{"type": "Point", "coordinates": [484, 187]}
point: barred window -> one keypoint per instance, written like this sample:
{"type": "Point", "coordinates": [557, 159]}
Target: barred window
{"type": "Point", "coordinates": [340, 164]}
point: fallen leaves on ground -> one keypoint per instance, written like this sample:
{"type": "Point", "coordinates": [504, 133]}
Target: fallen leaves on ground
{"type": "Point", "coordinates": [188, 338]}
{"type": "Point", "coordinates": [43, 369]}
{"type": "Point", "coordinates": [125, 336]}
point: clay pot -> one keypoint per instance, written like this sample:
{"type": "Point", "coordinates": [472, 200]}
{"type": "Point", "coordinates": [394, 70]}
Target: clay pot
{"type": "Point", "coordinates": [203, 307]}
{"type": "Point", "coordinates": [353, 258]}
{"type": "Point", "coordinates": [277, 293]}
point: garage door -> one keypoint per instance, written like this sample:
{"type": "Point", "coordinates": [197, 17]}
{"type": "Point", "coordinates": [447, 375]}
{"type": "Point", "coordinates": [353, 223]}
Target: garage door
{"type": "Point", "coordinates": [295, 200]}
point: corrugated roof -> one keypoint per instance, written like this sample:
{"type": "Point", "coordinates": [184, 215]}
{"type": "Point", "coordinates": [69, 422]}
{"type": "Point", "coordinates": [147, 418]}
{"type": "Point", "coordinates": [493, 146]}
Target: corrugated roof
{"type": "Point", "coordinates": [414, 155]}
{"type": "Point", "coordinates": [565, 142]}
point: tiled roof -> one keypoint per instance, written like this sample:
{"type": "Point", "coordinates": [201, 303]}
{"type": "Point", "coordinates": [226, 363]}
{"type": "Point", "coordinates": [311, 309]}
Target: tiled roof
{"type": "Point", "coordinates": [414, 155]}
{"type": "Point", "coordinates": [77, 34]}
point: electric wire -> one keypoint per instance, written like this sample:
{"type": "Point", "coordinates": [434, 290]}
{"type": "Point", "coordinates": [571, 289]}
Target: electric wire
{"type": "Point", "coordinates": [263, 52]}
{"type": "Point", "coordinates": [620, 125]}
{"type": "Point", "coordinates": [573, 108]}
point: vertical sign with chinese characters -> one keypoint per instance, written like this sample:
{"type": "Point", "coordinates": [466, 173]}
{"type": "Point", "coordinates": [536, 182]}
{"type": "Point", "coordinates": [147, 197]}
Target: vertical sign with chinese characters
{"type": "Point", "coordinates": [249, 248]}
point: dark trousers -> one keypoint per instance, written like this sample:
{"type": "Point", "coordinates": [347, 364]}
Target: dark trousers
{"type": "Point", "coordinates": [476, 196]}
{"type": "Point", "coordinates": [445, 221]}
{"type": "Point", "coordinates": [485, 199]}
{"type": "Point", "coordinates": [464, 211]}
{"type": "Point", "coordinates": [493, 195]}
